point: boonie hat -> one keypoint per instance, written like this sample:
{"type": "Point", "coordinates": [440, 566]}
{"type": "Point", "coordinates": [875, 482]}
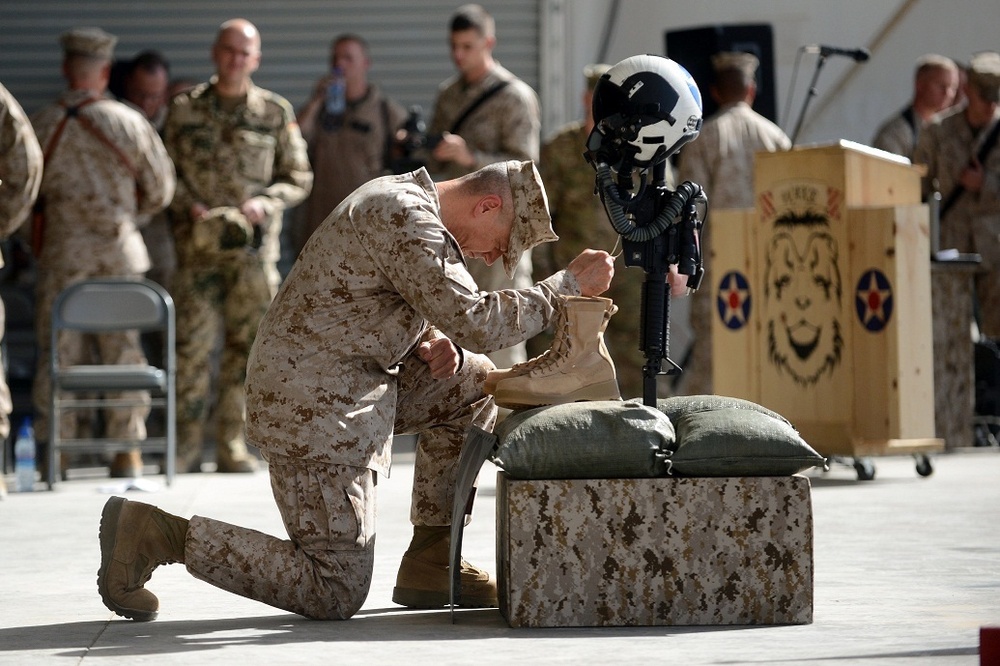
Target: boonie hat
{"type": "Point", "coordinates": [532, 223]}
{"type": "Point", "coordinates": [223, 228]}
{"type": "Point", "coordinates": [92, 42]}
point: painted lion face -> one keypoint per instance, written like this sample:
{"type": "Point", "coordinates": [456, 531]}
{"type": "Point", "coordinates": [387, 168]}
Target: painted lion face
{"type": "Point", "coordinates": [802, 289]}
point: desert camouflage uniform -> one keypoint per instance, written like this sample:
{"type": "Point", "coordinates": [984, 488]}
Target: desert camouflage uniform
{"type": "Point", "coordinates": [579, 218]}
{"type": "Point", "coordinates": [345, 153]}
{"type": "Point", "coordinates": [507, 126]}
{"type": "Point", "coordinates": [93, 203]}
{"type": "Point", "coordinates": [898, 134]}
{"type": "Point", "coordinates": [973, 223]}
{"type": "Point", "coordinates": [20, 177]}
{"type": "Point", "coordinates": [223, 158]}
{"type": "Point", "coordinates": [721, 160]}
{"type": "Point", "coordinates": [333, 374]}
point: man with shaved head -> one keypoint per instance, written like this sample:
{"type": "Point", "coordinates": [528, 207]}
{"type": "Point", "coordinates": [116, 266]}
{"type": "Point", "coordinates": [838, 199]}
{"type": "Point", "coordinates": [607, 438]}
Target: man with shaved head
{"type": "Point", "coordinates": [240, 161]}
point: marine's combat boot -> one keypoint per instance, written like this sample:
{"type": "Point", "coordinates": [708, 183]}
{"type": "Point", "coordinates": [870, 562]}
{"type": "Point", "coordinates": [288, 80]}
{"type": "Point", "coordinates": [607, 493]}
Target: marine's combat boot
{"type": "Point", "coordinates": [135, 539]}
{"type": "Point", "coordinates": [127, 465]}
{"type": "Point", "coordinates": [523, 368]}
{"type": "Point", "coordinates": [577, 367]}
{"type": "Point", "coordinates": [231, 454]}
{"type": "Point", "coordinates": [424, 581]}
{"type": "Point", "coordinates": [234, 460]}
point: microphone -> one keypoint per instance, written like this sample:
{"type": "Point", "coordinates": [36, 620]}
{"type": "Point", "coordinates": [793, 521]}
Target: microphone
{"type": "Point", "coordinates": [859, 55]}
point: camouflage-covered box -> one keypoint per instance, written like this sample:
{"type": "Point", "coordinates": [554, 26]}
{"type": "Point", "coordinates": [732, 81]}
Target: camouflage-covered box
{"type": "Point", "coordinates": [655, 551]}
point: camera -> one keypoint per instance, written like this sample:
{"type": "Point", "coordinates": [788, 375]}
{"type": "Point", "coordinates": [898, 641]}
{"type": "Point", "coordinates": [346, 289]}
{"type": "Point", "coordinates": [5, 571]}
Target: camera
{"type": "Point", "coordinates": [415, 144]}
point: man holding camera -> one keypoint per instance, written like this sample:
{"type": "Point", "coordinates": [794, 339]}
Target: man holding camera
{"type": "Point", "coordinates": [351, 139]}
{"type": "Point", "coordinates": [484, 114]}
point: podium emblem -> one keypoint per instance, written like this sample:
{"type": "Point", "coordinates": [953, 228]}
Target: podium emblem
{"type": "Point", "coordinates": [873, 300]}
{"type": "Point", "coordinates": [733, 300]}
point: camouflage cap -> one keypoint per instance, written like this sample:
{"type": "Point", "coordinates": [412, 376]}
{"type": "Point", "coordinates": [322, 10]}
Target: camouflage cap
{"type": "Point", "coordinates": [92, 42]}
{"type": "Point", "coordinates": [532, 223]}
{"type": "Point", "coordinates": [746, 63]}
{"type": "Point", "coordinates": [593, 73]}
{"type": "Point", "coordinates": [223, 228]}
{"type": "Point", "coordinates": [984, 74]}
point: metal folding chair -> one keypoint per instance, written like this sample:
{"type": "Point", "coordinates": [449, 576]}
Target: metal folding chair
{"type": "Point", "coordinates": [103, 305]}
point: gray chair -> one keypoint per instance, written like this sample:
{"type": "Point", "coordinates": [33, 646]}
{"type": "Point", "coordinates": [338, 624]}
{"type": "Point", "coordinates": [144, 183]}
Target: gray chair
{"type": "Point", "coordinates": [103, 305]}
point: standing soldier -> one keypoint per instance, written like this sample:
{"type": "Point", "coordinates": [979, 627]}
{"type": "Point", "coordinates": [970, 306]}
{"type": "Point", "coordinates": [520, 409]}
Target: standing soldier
{"type": "Point", "coordinates": [961, 153]}
{"type": "Point", "coordinates": [721, 160]}
{"type": "Point", "coordinates": [240, 161]}
{"type": "Point", "coordinates": [105, 171]}
{"type": "Point", "coordinates": [485, 114]}
{"type": "Point", "coordinates": [20, 177]}
{"type": "Point", "coordinates": [935, 84]}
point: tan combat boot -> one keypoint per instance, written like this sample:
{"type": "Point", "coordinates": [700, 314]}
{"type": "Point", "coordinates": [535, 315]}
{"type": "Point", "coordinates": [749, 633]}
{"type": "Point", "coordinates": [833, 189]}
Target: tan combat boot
{"type": "Point", "coordinates": [577, 367]}
{"type": "Point", "coordinates": [127, 465]}
{"type": "Point", "coordinates": [135, 539]}
{"type": "Point", "coordinates": [557, 348]}
{"type": "Point", "coordinates": [233, 458]}
{"type": "Point", "coordinates": [494, 376]}
{"type": "Point", "coordinates": [423, 579]}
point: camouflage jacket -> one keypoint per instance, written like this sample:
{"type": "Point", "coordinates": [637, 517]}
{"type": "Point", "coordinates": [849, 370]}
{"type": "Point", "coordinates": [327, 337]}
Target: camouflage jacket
{"type": "Point", "coordinates": [378, 276]}
{"type": "Point", "coordinates": [20, 165]}
{"type": "Point", "coordinates": [721, 159]}
{"type": "Point", "coordinates": [897, 135]}
{"type": "Point", "coordinates": [93, 200]}
{"type": "Point", "coordinates": [945, 146]}
{"type": "Point", "coordinates": [505, 127]}
{"type": "Point", "coordinates": [225, 158]}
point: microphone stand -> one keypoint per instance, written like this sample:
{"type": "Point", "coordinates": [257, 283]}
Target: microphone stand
{"type": "Point", "coordinates": [809, 95]}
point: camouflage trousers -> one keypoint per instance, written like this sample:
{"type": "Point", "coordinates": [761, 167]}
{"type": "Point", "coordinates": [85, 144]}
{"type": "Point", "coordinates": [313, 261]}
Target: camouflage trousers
{"type": "Point", "coordinates": [697, 376]}
{"type": "Point", "coordinates": [219, 301]}
{"type": "Point", "coordinates": [324, 569]}
{"type": "Point", "coordinates": [127, 423]}
{"type": "Point", "coordinates": [6, 404]}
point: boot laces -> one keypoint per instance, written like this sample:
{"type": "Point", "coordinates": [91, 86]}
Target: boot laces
{"type": "Point", "coordinates": [560, 348]}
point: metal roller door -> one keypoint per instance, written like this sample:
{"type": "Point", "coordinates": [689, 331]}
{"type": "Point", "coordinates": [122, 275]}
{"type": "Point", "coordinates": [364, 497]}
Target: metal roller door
{"type": "Point", "coordinates": [408, 40]}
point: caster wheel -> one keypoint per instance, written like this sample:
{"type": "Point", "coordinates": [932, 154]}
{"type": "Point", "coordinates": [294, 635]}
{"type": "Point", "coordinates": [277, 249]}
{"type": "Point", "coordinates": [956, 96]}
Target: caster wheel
{"type": "Point", "coordinates": [865, 469]}
{"type": "Point", "coordinates": [924, 467]}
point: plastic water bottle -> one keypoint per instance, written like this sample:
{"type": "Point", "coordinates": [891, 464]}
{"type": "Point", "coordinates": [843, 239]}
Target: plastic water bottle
{"type": "Point", "coordinates": [24, 457]}
{"type": "Point", "coordinates": [336, 99]}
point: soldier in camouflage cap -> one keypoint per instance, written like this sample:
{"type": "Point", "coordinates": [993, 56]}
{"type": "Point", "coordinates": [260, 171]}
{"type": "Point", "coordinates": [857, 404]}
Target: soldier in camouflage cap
{"type": "Point", "coordinates": [238, 151]}
{"type": "Point", "coordinates": [961, 150]}
{"type": "Point", "coordinates": [367, 338]}
{"type": "Point", "coordinates": [106, 172]}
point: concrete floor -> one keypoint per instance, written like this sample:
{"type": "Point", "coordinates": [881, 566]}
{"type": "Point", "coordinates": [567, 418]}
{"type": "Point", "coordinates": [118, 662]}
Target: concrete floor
{"type": "Point", "coordinates": [907, 570]}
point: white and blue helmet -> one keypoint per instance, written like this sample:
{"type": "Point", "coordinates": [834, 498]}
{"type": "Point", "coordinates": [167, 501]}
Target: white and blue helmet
{"type": "Point", "coordinates": [648, 106]}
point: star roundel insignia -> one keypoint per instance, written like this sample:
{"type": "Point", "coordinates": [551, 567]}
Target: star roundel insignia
{"type": "Point", "coordinates": [733, 300]}
{"type": "Point", "coordinates": [873, 300]}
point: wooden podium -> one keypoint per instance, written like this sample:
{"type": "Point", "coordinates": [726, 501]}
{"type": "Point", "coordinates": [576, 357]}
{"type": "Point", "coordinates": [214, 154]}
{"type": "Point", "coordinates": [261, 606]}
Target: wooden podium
{"type": "Point", "coordinates": [823, 296]}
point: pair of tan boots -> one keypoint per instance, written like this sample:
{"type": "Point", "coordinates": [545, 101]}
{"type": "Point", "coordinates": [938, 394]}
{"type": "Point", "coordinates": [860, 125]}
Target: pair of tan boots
{"type": "Point", "coordinates": [576, 367]}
